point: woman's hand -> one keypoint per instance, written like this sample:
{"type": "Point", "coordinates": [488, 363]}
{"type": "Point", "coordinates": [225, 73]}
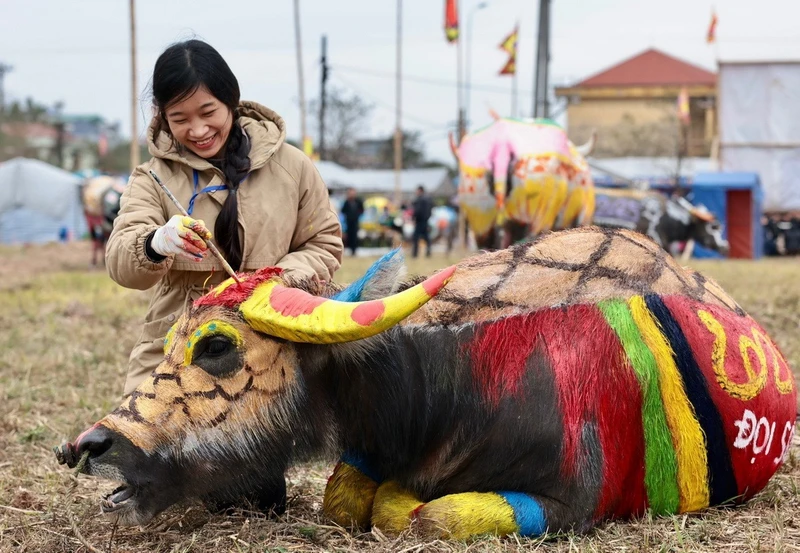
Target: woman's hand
{"type": "Point", "coordinates": [181, 236]}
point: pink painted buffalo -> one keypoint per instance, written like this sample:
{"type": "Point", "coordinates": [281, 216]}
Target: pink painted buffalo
{"type": "Point", "coordinates": [522, 177]}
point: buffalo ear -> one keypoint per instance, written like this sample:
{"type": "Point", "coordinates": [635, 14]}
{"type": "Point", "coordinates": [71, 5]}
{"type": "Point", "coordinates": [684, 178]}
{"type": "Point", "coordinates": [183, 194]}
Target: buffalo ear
{"type": "Point", "coordinates": [387, 278]}
{"type": "Point", "coordinates": [382, 279]}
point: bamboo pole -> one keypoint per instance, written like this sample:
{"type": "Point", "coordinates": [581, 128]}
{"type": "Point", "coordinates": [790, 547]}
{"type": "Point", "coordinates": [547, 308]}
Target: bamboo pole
{"type": "Point", "coordinates": [300, 79]}
{"type": "Point", "coordinates": [134, 155]}
{"type": "Point", "coordinates": [398, 132]}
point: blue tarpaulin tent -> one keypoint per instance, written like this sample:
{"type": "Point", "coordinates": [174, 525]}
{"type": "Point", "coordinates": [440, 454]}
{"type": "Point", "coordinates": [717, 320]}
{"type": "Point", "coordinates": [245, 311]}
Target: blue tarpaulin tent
{"type": "Point", "coordinates": [736, 199]}
{"type": "Point", "coordinates": [37, 202]}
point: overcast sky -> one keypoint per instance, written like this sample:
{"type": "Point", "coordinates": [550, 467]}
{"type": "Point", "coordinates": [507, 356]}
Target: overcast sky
{"type": "Point", "coordinates": [78, 51]}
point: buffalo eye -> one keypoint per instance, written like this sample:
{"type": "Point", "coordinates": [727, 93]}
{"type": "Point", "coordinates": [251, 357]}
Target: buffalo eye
{"type": "Point", "coordinates": [217, 355]}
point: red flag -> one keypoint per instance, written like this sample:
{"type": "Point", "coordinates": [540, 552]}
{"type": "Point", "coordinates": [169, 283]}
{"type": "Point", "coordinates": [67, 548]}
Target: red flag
{"type": "Point", "coordinates": [451, 20]}
{"type": "Point", "coordinates": [711, 36]}
{"type": "Point", "coordinates": [510, 67]}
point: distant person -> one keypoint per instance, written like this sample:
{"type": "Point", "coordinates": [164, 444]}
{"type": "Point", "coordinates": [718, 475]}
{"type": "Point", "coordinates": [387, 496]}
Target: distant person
{"type": "Point", "coordinates": [423, 207]}
{"type": "Point", "coordinates": [393, 223]}
{"type": "Point", "coordinates": [352, 209]}
{"type": "Point", "coordinates": [228, 163]}
{"type": "Point", "coordinates": [771, 233]}
{"type": "Point", "coordinates": [792, 236]}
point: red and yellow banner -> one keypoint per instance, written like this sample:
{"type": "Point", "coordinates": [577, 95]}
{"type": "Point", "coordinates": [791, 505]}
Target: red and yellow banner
{"type": "Point", "coordinates": [510, 67]}
{"type": "Point", "coordinates": [711, 35]}
{"type": "Point", "coordinates": [451, 20]}
{"type": "Point", "coordinates": [509, 45]}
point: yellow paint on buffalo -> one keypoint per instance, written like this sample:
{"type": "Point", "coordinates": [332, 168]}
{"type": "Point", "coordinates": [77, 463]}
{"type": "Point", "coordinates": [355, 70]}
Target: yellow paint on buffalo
{"type": "Point", "coordinates": [463, 515]}
{"type": "Point", "coordinates": [687, 435]}
{"type": "Point", "coordinates": [349, 496]}
{"type": "Point", "coordinates": [755, 382]}
{"type": "Point", "coordinates": [209, 328]}
{"type": "Point", "coordinates": [394, 507]}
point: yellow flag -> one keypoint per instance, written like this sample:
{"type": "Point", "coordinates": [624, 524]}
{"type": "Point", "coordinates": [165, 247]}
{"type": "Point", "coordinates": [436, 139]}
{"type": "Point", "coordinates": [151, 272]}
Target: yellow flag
{"type": "Point", "coordinates": [308, 146]}
{"type": "Point", "coordinates": [509, 43]}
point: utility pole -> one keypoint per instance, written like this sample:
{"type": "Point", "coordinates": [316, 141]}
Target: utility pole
{"type": "Point", "coordinates": [324, 63]}
{"type": "Point", "coordinates": [468, 39]}
{"type": "Point", "coordinates": [514, 86]}
{"type": "Point", "coordinates": [134, 156]}
{"type": "Point", "coordinates": [462, 125]}
{"type": "Point", "coordinates": [398, 131]}
{"type": "Point", "coordinates": [3, 70]}
{"type": "Point", "coordinates": [540, 103]}
{"type": "Point", "coordinates": [300, 82]}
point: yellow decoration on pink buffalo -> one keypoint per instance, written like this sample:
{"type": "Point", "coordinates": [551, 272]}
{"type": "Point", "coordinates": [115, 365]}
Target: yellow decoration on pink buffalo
{"type": "Point", "coordinates": [298, 316]}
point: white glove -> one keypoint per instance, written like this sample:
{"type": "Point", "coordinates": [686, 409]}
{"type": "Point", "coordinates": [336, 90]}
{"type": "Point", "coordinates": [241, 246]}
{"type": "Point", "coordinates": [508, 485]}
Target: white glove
{"type": "Point", "coordinates": [181, 236]}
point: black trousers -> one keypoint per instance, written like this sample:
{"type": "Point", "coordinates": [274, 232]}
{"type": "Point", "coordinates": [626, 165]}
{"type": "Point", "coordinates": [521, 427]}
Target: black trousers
{"type": "Point", "coordinates": [421, 233]}
{"type": "Point", "coordinates": [352, 237]}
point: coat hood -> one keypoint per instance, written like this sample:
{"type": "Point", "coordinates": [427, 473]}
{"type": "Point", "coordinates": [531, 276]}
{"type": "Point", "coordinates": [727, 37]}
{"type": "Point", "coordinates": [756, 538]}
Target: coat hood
{"type": "Point", "coordinates": [265, 129]}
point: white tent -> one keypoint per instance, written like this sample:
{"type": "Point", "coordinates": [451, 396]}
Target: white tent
{"type": "Point", "coordinates": [382, 181]}
{"type": "Point", "coordinates": [37, 201]}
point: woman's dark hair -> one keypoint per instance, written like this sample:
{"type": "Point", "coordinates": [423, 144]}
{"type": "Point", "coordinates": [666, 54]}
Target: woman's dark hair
{"type": "Point", "coordinates": [180, 70]}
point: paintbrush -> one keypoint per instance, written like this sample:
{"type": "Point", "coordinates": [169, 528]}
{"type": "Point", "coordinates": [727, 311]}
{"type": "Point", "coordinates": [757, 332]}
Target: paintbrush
{"type": "Point", "coordinates": [208, 241]}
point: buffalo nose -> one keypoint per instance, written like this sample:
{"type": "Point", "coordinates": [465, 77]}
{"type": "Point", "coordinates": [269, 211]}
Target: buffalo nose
{"type": "Point", "coordinates": [94, 441]}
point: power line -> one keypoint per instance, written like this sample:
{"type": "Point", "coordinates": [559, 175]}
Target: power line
{"type": "Point", "coordinates": [423, 80]}
{"type": "Point", "coordinates": [387, 106]}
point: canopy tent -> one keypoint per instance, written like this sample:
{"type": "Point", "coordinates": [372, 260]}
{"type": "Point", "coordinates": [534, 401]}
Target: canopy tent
{"type": "Point", "coordinates": [381, 182]}
{"type": "Point", "coordinates": [759, 126]}
{"type": "Point", "coordinates": [736, 199]}
{"type": "Point", "coordinates": [38, 201]}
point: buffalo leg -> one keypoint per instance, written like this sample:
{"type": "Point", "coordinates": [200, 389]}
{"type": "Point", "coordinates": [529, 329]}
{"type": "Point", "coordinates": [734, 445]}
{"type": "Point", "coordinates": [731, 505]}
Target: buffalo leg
{"type": "Point", "coordinates": [349, 495]}
{"type": "Point", "coordinates": [394, 508]}
{"type": "Point", "coordinates": [465, 515]}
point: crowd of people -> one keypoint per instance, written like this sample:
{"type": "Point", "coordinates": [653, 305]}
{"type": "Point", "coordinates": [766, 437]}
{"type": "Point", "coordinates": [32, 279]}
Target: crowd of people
{"type": "Point", "coordinates": [392, 220]}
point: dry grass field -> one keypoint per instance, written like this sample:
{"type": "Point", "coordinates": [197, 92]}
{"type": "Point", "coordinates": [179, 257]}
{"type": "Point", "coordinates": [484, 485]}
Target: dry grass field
{"type": "Point", "coordinates": [65, 334]}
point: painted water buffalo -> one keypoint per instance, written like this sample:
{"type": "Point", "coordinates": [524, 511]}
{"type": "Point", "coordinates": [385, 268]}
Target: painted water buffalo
{"type": "Point", "coordinates": [519, 178]}
{"type": "Point", "coordinates": [665, 220]}
{"type": "Point", "coordinates": [100, 198]}
{"type": "Point", "coordinates": [546, 387]}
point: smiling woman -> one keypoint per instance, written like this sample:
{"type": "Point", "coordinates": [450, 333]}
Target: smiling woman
{"type": "Point", "coordinates": [227, 162]}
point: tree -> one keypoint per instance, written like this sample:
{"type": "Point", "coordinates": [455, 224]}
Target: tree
{"type": "Point", "coordinates": [29, 112]}
{"type": "Point", "coordinates": [413, 151]}
{"type": "Point", "coordinates": [346, 116]}
{"type": "Point", "coordinates": [12, 146]}
{"type": "Point", "coordinates": [117, 159]}
{"type": "Point", "coordinates": [15, 117]}
{"type": "Point", "coordinates": [665, 138]}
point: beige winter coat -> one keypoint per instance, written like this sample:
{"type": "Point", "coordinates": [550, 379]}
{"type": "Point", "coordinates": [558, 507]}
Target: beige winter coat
{"type": "Point", "coordinates": [285, 220]}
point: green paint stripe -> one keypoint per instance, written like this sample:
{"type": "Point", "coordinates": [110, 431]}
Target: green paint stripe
{"type": "Point", "coordinates": [660, 460]}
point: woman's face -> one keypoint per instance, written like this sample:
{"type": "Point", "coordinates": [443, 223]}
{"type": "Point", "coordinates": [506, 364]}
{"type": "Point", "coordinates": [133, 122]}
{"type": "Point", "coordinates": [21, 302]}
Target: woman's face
{"type": "Point", "coordinates": [200, 122]}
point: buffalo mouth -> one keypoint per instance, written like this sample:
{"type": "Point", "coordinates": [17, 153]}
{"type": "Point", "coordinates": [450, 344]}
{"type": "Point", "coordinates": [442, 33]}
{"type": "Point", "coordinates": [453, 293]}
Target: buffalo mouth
{"type": "Point", "coordinates": [121, 499]}
{"type": "Point", "coordinates": [144, 485]}
{"type": "Point", "coordinates": [129, 504]}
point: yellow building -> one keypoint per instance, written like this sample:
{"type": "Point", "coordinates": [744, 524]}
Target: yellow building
{"type": "Point", "coordinates": [633, 107]}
